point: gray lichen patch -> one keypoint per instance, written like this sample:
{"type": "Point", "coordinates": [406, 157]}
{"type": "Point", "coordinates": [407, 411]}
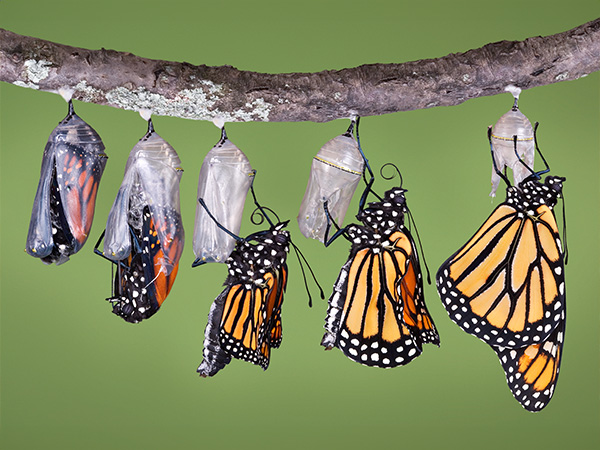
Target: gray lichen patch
{"type": "Point", "coordinates": [198, 103]}
{"type": "Point", "coordinates": [87, 93]}
{"type": "Point", "coordinates": [36, 71]}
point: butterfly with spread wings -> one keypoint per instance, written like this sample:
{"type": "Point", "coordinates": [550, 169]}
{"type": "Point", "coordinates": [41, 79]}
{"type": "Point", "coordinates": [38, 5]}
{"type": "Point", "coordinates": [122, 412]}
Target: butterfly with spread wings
{"type": "Point", "coordinates": [377, 314]}
{"type": "Point", "coordinates": [506, 286]}
{"type": "Point", "coordinates": [244, 321]}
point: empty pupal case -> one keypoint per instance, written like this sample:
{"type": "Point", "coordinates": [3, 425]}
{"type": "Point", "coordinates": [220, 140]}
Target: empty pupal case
{"type": "Point", "coordinates": [513, 123]}
{"type": "Point", "coordinates": [335, 173]}
{"type": "Point", "coordinates": [223, 184]}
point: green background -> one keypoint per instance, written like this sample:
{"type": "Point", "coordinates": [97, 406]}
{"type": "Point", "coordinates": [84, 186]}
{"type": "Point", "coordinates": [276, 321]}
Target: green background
{"type": "Point", "coordinates": [75, 376]}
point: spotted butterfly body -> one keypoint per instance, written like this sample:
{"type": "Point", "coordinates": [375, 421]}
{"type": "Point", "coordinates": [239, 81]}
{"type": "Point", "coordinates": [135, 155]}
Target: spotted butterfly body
{"type": "Point", "coordinates": [244, 321]}
{"type": "Point", "coordinates": [65, 200]}
{"type": "Point", "coordinates": [139, 288]}
{"type": "Point", "coordinates": [377, 314]}
{"type": "Point", "coordinates": [506, 286]}
{"type": "Point", "coordinates": [144, 232]}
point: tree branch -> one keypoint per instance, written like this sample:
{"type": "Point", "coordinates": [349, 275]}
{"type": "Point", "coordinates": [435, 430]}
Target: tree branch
{"type": "Point", "coordinates": [126, 81]}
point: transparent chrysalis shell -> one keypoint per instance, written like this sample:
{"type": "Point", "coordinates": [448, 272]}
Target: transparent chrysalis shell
{"type": "Point", "coordinates": [513, 123]}
{"type": "Point", "coordinates": [334, 175]}
{"type": "Point", "coordinates": [152, 175]}
{"type": "Point", "coordinates": [225, 177]}
{"type": "Point", "coordinates": [64, 204]}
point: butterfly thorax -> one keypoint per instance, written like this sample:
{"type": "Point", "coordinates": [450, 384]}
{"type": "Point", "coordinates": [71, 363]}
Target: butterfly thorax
{"type": "Point", "coordinates": [530, 194]}
{"type": "Point", "coordinates": [380, 220]}
{"type": "Point", "coordinates": [257, 255]}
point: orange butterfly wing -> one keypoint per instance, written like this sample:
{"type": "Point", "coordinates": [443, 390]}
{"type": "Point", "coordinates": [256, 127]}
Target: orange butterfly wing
{"type": "Point", "coordinates": [506, 284]}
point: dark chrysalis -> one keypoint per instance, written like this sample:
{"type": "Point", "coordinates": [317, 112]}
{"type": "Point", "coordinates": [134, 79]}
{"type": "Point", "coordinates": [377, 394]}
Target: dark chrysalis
{"type": "Point", "coordinates": [65, 200]}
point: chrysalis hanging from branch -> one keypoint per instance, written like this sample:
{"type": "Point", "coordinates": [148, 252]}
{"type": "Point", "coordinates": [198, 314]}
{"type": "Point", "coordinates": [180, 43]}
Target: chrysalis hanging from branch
{"type": "Point", "coordinates": [65, 200]}
{"type": "Point", "coordinates": [334, 175]}
{"type": "Point", "coordinates": [144, 231]}
{"type": "Point", "coordinates": [512, 125]}
{"type": "Point", "coordinates": [225, 178]}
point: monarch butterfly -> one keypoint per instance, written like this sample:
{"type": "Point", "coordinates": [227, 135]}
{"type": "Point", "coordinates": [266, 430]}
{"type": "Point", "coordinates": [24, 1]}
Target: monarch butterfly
{"type": "Point", "coordinates": [377, 314]}
{"type": "Point", "coordinates": [506, 285]}
{"type": "Point", "coordinates": [224, 180]}
{"type": "Point", "coordinates": [64, 204]}
{"type": "Point", "coordinates": [244, 321]}
{"type": "Point", "coordinates": [144, 232]}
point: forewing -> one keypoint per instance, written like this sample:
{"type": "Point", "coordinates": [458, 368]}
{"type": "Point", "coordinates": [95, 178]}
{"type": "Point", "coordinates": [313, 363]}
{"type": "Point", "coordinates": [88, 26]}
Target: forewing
{"type": "Point", "coordinates": [243, 323]}
{"type": "Point", "coordinates": [372, 331]}
{"type": "Point", "coordinates": [506, 285]}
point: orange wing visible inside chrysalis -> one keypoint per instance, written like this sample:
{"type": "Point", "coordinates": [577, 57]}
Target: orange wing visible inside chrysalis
{"type": "Point", "coordinates": [506, 284]}
{"type": "Point", "coordinates": [79, 171]}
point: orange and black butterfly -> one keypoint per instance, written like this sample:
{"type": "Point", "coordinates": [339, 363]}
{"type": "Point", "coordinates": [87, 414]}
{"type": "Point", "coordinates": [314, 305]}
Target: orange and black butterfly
{"type": "Point", "coordinates": [506, 286]}
{"type": "Point", "coordinates": [244, 321]}
{"type": "Point", "coordinates": [64, 204]}
{"type": "Point", "coordinates": [377, 314]}
{"type": "Point", "coordinates": [144, 233]}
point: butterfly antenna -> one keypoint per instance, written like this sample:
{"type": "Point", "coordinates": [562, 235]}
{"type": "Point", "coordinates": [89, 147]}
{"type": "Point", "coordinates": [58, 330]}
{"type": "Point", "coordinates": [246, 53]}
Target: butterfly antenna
{"type": "Point", "coordinates": [500, 174]}
{"type": "Point", "coordinates": [300, 255]}
{"type": "Point", "coordinates": [392, 177]}
{"type": "Point", "coordinates": [258, 205]}
{"type": "Point", "coordinates": [412, 219]}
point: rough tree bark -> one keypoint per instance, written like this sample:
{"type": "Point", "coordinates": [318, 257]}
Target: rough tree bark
{"type": "Point", "coordinates": [126, 81]}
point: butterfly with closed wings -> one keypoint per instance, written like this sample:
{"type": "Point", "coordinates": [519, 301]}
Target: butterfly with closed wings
{"type": "Point", "coordinates": [377, 314]}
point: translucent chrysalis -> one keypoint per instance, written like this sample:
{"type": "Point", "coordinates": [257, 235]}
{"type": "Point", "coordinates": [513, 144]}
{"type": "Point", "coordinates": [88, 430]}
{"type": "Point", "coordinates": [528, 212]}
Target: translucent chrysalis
{"type": "Point", "coordinates": [334, 175]}
{"type": "Point", "coordinates": [225, 177]}
{"type": "Point", "coordinates": [513, 123]}
{"type": "Point", "coordinates": [144, 232]}
{"type": "Point", "coordinates": [63, 208]}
